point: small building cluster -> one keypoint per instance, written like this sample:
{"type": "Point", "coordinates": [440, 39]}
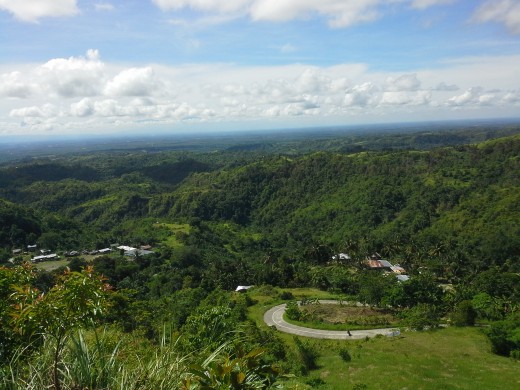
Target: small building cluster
{"type": "Point", "coordinates": [376, 262]}
{"type": "Point", "coordinates": [51, 256]}
{"type": "Point", "coordinates": [143, 250]}
{"type": "Point", "coordinates": [46, 255]}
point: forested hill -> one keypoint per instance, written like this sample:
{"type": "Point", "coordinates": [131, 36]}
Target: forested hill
{"type": "Point", "coordinates": [465, 197]}
{"type": "Point", "coordinates": [461, 202]}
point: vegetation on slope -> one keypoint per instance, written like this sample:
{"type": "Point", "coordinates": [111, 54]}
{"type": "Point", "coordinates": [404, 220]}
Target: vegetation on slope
{"type": "Point", "coordinates": [252, 216]}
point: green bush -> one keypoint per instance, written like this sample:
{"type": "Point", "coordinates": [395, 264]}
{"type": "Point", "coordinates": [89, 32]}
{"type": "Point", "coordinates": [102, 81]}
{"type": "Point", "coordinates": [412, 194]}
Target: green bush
{"type": "Point", "coordinates": [464, 314]}
{"type": "Point", "coordinates": [422, 316]}
{"type": "Point", "coordinates": [314, 382]}
{"type": "Point", "coordinates": [307, 354]}
{"type": "Point", "coordinates": [505, 335]}
{"type": "Point", "coordinates": [293, 311]}
{"type": "Point", "coordinates": [286, 295]}
{"type": "Point", "coordinates": [345, 355]}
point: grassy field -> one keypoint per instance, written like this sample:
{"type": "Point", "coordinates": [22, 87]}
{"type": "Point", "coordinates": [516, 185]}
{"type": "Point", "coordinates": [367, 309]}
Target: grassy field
{"type": "Point", "coordinates": [448, 358]}
{"type": "Point", "coordinates": [174, 229]}
{"type": "Point", "coordinates": [52, 265]}
{"type": "Point", "coordinates": [451, 358]}
{"type": "Point", "coordinates": [344, 317]}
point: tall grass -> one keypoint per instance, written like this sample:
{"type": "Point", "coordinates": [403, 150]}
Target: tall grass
{"type": "Point", "coordinates": [98, 360]}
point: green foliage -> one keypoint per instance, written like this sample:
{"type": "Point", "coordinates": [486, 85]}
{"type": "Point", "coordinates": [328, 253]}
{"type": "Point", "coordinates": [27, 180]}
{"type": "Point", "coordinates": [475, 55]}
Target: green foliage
{"type": "Point", "coordinates": [498, 284]}
{"type": "Point", "coordinates": [505, 335]}
{"type": "Point", "coordinates": [422, 316]}
{"type": "Point", "coordinates": [240, 371]}
{"type": "Point", "coordinates": [344, 354]}
{"type": "Point", "coordinates": [488, 307]}
{"type": "Point", "coordinates": [76, 300]}
{"type": "Point", "coordinates": [286, 295]}
{"type": "Point", "coordinates": [463, 314]}
{"type": "Point", "coordinates": [92, 366]}
{"type": "Point", "coordinates": [256, 214]}
{"type": "Point", "coordinates": [420, 289]}
{"type": "Point", "coordinates": [307, 356]}
{"type": "Point", "coordinates": [210, 327]}
{"type": "Point", "coordinates": [19, 226]}
{"type": "Point", "coordinates": [375, 287]}
{"type": "Point", "coordinates": [292, 310]}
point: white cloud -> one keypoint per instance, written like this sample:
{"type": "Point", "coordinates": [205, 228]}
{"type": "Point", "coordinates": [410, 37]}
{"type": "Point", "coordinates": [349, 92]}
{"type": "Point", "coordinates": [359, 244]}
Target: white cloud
{"type": "Point", "coordinates": [133, 82]}
{"type": "Point", "coordinates": [422, 4]}
{"type": "Point", "coordinates": [203, 5]}
{"type": "Point", "coordinates": [44, 111]}
{"type": "Point", "coordinates": [501, 11]}
{"type": "Point", "coordinates": [361, 95]}
{"type": "Point", "coordinates": [310, 81]}
{"type": "Point", "coordinates": [85, 107]}
{"type": "Point", "coordinates": [445, 87]}
{"type": "Point", "coordinates": [67, 94]}
{"type": "Point", "coordinates": [405, 82]}
{"type": "Point", "coordinates": [73, 76]}
{"type": "Point", "coordinates": [406, 98]}
{"type": "Point", "coordinates": [33, 10]}
{"type": "Point", "coordinates": [339, 13]}
{"type": "Point", "coordinates": [473, 97]}
{"type": "Point", "coordinates": [512, 97]}
{"type": "Point", "coordinates": [12, 85]}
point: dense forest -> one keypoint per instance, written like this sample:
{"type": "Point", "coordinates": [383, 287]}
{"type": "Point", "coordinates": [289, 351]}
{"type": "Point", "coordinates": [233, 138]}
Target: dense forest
{"type": "Point", "coordinates": [444, 205]}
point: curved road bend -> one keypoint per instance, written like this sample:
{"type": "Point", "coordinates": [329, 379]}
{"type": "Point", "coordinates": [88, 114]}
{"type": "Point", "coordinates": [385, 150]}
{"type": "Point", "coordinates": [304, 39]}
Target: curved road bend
{"type": "Point", "coordinates": [274, 317]}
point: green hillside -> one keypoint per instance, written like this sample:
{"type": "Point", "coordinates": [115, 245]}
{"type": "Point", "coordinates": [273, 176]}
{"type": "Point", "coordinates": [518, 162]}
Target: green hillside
{"type": "Point", "coordinates": [275, 216]}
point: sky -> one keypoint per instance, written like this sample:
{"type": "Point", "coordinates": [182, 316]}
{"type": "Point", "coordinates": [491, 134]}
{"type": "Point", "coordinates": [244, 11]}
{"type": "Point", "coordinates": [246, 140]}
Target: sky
{"type": "Point", "coordinates": [72, 67]}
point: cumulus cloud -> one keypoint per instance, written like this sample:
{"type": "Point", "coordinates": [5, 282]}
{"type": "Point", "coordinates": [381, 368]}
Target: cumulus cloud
{"type": "Point", "coordinates": [501, 11]}
{"type": "Point", "coordinates": [405, 82]}
{"type": "Point", "coordinates": [83, 92]}
{"type": "Point", "coordinates": [511, 97]}
{"type": "Point", "coordinates": [361, 95]}
{"type": "Point", "coordinates": [85, 107]}
{"type": "Point", "coordinates": [45, 111]}
{"type": "Point", "coordinates": [406, 98]}
{"type": "Point", "coordinates": [73, 76]}
{"type": "Point", "coordinates": [12, 85]}
{"type": "Point", "coordinates": [133, 82]}
{"type": "Point", "coordinates": [33, 10]}
{"type": "Point", "coordinates": [475, 96]}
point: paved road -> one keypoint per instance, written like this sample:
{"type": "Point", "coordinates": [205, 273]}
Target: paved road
{"type": "Point", "coordinates": [274, 317]}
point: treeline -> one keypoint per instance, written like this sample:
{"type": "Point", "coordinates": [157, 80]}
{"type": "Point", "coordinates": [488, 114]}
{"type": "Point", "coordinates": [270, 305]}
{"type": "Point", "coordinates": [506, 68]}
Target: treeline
{"type": "Point", "coordinates": [455, 208]}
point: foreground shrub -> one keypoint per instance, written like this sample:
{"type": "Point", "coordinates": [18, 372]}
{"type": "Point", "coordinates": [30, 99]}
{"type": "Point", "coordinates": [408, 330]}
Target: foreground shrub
{"type": "Point", "coordinates": [505, 335]}
{"type": "Point", "coordinates": [420, 317]}
{"type": "Point", "coordinates": [308, 356]}
{"type": "Point", "coordinates": [238, 371]}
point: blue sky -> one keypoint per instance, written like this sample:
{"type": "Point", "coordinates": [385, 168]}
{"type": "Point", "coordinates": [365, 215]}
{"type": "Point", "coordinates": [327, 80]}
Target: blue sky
{"type": "Point", "coordinates": [70, 66]}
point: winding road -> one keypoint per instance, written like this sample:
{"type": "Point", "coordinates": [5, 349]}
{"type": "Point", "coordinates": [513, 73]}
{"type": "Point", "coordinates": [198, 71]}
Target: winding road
{"type": "Point", "coordinates": [274, 317]}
